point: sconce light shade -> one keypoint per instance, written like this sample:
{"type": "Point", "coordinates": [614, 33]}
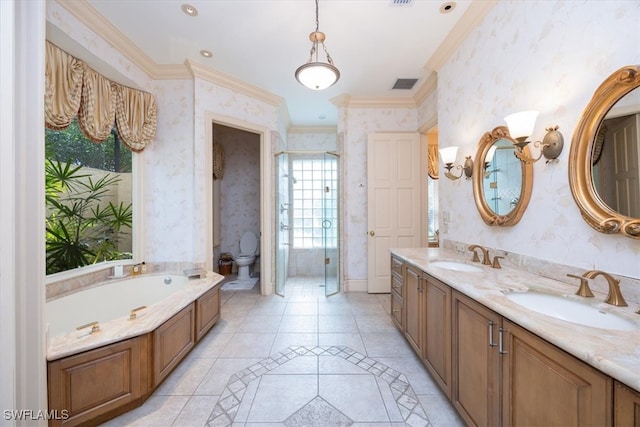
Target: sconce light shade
{"type": "Point", "coordinates": [521, 124]}
{"type": "Point", "coordinates": [317, 75]}
{"type": "Point", "coordinates": [448, 155]}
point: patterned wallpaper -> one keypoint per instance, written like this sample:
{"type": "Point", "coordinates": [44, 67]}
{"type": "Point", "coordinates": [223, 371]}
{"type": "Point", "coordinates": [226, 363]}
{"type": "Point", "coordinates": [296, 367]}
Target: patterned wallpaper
{"type": "Point", "coordinates": [549, 56]}
{"type": "Point", "coordinates": [239, 187]}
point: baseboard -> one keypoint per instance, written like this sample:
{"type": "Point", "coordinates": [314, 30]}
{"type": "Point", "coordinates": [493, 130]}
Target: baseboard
{"type": "Point", "coordinates": [356, 286]}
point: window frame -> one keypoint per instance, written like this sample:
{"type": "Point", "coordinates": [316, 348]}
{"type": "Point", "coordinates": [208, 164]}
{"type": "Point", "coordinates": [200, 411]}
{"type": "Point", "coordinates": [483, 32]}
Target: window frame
{"type": "Point", "coordinates": [137, 230]}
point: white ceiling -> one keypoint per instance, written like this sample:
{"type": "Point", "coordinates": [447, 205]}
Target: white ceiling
{"type": "Point", "coordinates": [262, 42]}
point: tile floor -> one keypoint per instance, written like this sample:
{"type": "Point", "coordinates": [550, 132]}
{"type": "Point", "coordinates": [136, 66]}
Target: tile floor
{"type": "Point", "coordinates": [302, 360]}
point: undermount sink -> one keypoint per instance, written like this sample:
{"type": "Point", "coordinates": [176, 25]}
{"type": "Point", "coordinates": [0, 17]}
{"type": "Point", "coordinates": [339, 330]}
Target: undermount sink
{"type": "Point", "coordinates": [456, 266]}
{"type": "Point", "coordinates": [563, 308]}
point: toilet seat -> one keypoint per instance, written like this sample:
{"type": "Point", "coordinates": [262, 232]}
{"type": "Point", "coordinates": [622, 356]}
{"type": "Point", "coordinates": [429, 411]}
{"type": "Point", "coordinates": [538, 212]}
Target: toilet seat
{"type": "Point", "coordinates": [248, 244]}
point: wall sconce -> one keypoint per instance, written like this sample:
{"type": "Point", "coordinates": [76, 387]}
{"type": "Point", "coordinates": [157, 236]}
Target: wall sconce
{"type": "Point", "coordinates": [488, 159]}
{"type": "Point", "coordinates": [448, 156]}
{"type": "Point", "coordinates": [520, 128]}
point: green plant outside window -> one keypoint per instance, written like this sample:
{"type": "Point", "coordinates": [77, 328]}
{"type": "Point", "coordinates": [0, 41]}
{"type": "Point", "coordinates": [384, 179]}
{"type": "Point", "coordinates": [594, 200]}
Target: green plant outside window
{"type": "Point", "coordinates": [88, 197]}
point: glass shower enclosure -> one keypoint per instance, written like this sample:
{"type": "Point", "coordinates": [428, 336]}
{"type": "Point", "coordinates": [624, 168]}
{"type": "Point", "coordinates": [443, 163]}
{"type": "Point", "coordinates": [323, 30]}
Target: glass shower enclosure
{"type": "Point", "coordinates": [307, 226]}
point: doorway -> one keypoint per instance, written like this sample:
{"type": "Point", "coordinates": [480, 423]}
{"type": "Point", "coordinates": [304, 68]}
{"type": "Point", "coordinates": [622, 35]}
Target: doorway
{"type": "Point", "coordinates": [307, 225]}
{"type": "Point", "coordinates": [263, 192]}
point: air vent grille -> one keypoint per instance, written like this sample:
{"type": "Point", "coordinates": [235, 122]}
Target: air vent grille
{"type": "Point", "coordinates": [401, 2]}
{"type": "Point", "coordinates": [405, 84]}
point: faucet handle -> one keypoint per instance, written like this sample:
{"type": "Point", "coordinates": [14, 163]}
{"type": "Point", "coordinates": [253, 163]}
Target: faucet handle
{"type": "Point", "coordinates": [496, 261]}
{"type": "Point", "coordinates": [473, 248]}
{"type": "Point", "coordinates": [583, 290]}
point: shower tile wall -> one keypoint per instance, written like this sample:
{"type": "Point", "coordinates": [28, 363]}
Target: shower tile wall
{"type": "Point", "coordinates": [239, 187]}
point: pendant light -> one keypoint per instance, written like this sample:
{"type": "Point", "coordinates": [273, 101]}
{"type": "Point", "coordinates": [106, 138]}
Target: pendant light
{"type": "Point", "coordinates": [314, 74]}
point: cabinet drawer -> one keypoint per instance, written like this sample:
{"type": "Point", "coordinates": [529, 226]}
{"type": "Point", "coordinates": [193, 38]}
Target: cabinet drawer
{"type": "Point", "coordinates": [396, 266]}
{"type": "Point", "coordinates": [397, 310]}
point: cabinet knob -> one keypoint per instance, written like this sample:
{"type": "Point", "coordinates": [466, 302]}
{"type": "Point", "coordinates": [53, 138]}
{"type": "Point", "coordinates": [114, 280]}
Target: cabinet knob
{"type": "Point", "coordinates": [372, 233]}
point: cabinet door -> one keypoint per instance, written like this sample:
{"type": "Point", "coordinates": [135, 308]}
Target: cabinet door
{"type": "Point", "coordinates": [437, 346]}
{"type": "Point", "coordinates": [413, 307]}
{"type": "Point", "coordinates": [544, 386]}
{"type": "Point", "coordinates": [475, 390]}
{"type": "Point", "coordinates": [627, 407]}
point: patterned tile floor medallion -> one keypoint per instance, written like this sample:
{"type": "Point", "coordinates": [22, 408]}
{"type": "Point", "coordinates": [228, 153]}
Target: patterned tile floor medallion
{"type": "Point", "coordinates": [320, 408]}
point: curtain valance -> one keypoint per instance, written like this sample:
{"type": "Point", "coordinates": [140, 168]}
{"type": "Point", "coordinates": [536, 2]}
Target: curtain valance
{"type": "Point", "coordinates": [432, 161]}
{"type": "Point", "coordinates": [74, 89]}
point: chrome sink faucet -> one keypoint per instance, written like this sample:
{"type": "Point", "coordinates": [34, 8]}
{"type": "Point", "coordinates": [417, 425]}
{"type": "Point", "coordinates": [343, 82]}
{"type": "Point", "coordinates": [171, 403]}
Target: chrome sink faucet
{"type": "Point", "coordinates": [615, 296]}
{"type": "Point", "coordinates": [485, 254]}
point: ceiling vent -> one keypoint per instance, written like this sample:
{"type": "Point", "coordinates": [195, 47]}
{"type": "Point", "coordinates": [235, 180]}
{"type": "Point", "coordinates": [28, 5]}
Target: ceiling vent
{"type": "Point", "coordinates": [405, 83]}
{"type": "Point", "coordinates": [401, 2]}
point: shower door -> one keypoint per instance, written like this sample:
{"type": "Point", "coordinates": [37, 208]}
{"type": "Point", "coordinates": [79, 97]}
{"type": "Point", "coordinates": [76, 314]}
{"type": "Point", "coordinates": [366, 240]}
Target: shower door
{"type": "Point", "coordinates": [330, 234]}
{"type": "Point", "coordinates": [282, 222]}
{"type": "Point", "coordinates": [307, 221]}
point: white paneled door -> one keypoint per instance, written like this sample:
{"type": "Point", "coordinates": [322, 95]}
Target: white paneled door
{"type": "Point", "coordinates": [394, 201]}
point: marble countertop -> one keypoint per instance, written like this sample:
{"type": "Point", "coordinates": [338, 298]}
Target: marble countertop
{"type": "Point", "coordinates": [614, 352]}
{"type": "Point", "coordinates": [122, 328]}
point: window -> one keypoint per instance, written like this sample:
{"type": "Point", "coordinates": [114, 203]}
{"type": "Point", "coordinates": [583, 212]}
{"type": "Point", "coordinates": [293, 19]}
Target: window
{"type": "Point", "coordinates": [433, 209]}
{"type": "Point", "coordinates": [315, 202]}
{"type": "Point", "coordinates": [88, 199]}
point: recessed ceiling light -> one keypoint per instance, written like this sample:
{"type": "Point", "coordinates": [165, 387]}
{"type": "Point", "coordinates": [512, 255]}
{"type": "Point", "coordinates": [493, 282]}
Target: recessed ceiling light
{"type": "Point", "coordinates": [206, 53]}
{"type": "Point", "coordinates": [189, 10]}
{"type": "Point", "coordinates": [447, 7]}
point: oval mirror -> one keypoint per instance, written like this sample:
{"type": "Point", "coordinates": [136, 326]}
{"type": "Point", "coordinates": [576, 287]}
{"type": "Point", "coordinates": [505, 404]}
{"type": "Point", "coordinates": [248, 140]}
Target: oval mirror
{"type": "Point", "coordinates": [501, 182]}
{"type": "Point", "coordinates": [604, 160]}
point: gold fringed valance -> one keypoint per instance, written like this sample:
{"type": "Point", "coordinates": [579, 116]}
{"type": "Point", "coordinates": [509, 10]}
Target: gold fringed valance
{"type": "Point", "coordinates": [98, 108]}
{"type": "Point", "coordinates": [432, 161]}
{"type": "Point", "coordinates": [63, 88]}
{"type": "Point", "coordinates": [135, 117]}
{"type": "Point", "coordinates": [74, 89]}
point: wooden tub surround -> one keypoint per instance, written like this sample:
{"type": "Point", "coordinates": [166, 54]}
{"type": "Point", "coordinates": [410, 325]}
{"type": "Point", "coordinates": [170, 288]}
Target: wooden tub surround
{"type": "Point", "coordinates": [101, 383]}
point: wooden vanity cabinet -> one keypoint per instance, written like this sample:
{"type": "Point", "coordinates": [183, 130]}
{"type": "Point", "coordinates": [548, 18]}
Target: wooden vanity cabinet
{"type": "Point", "coordinates": [543, 385]}
{"type": "Point", "coordinates": [475, 387]}
{"type": "Point", "coordinates": [414, 304]}
{"type": "Point", "coordinates": [437, 338]}
{"type": "Point", "coordinates": [627, 406]}
{"type": "Point", "coordinates": [397, 293]}
{"type": "Point", "coordinates": [505, 375]}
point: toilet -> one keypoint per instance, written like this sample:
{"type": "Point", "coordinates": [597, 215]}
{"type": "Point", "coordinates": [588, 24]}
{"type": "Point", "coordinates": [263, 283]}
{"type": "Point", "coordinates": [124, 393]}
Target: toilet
{"type": "Point", "coordinates": [247, 255]}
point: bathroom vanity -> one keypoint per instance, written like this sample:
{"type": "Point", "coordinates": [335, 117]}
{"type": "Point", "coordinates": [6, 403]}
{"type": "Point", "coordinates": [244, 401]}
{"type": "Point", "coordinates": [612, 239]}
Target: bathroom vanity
{"type": "Point", "coordinates": [502, 364]}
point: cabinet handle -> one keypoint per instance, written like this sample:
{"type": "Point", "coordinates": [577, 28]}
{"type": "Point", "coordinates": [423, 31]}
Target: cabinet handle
{"type": "Point", "coordinates": [491, 343]}
{"type": "Point", "coordinates": [501, 346]}
{"type": "Point", "coordinates": [396, 310]}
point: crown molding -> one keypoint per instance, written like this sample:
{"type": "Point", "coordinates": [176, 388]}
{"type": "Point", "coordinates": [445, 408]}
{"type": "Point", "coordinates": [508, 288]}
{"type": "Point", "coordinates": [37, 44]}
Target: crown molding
{"type": "Point", "coordinates": [313, 129]}
{"type": "Point", "coordinates": [372, 102]}
{"type": "Point", "coordinates": [429, 85]}
{"type": "Point", "coordinates": [172, 72]}
{"type": "Point", "coordinates": [232, 83]}
{"type": "Point", "coordinates": [90, 17]}
{"type": "Point", "coordinates": [474, 14]}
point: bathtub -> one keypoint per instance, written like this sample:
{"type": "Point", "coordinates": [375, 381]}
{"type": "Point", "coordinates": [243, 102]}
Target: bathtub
{"type": "Point", "coordinates": [109, 301]}
{"type": "Point", "coordinates": [97, 375]}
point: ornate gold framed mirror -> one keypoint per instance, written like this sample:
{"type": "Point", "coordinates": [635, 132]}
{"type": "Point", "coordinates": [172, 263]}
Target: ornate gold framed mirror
{"type": "Point", "coordinates": [604, 164]}
{"type": "Point", "coordinates": [502, 184]}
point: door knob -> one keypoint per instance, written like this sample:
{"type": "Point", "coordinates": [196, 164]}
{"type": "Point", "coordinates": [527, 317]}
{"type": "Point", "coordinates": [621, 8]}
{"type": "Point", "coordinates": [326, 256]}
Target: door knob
{"type": "Point", "coordinates": [372, 233]}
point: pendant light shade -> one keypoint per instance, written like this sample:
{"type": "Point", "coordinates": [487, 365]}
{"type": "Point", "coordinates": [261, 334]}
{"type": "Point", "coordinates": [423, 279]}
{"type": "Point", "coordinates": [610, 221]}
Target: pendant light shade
{"type": "Point", "coordinates": [315, 74]}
